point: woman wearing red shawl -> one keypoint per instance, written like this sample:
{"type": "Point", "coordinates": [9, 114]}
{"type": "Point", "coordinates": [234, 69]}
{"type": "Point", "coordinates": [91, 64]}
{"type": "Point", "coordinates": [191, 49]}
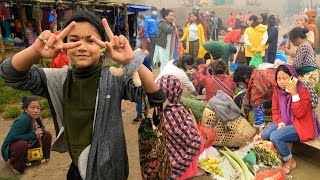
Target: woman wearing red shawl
{"type": "Point", "coordinates": [183, 140]}
{"type": "Point", "coordinates": [293, 120]}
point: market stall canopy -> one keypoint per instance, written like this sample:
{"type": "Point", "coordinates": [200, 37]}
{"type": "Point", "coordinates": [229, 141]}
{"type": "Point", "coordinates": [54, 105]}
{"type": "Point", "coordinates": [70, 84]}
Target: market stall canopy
{"type": "Point", "coordinates": [136, 8]}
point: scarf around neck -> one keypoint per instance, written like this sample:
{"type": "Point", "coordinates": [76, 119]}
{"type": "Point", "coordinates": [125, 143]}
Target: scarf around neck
{"type": "Point", "coordinates": [285, 104]}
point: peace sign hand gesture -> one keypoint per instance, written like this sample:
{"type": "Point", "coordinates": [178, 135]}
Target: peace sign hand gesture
{"type": "Point", "coordinates": [118, 47]}
{"type": "Point", "coordinates": [48, 45]}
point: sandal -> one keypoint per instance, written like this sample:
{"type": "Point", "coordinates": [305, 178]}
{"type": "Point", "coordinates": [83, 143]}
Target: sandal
{"type": "Point", "coordinates": [289, 167]}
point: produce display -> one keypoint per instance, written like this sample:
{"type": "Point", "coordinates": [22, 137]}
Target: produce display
{"type": "Point", "coordinates": [212, 166]}
{"type": "Point", "coordinates": [266, 156]}
{"type": "Point", "coordinates": [238, 164]}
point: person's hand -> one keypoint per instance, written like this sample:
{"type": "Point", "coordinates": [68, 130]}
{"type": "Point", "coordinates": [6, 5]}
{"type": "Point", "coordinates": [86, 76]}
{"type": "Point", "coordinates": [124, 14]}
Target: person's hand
{"type": "Point", "coordinates": [173, 24]}
{"type": "Point", "coordinates": [281, 125]}
{"type": "Point", "coordinates": [39, 132]}
{"type": "Point", "coordinates": [292, 88]}
{"type": "Point", "coordinates": [208, 62]}
{"type": "Point", "coordinates": [49, 45]}
{"type": "Point", "coordinates": [118, 47]}
{"type": "Point", "coordinates": [148, 39]}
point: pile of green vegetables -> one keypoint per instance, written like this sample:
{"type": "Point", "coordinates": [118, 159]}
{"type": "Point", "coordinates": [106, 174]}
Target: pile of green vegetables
{"type": "Point", "coordinates": [146, 131]}
{"type": "Point", "coordinates": [238, 164]}
{"type": "Point", "coordinates": [266, 156]}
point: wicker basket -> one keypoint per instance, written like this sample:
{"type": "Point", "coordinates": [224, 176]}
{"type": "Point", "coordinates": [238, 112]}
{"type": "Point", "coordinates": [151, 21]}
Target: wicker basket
{"type": "Point", "coordinates": [240, 131]}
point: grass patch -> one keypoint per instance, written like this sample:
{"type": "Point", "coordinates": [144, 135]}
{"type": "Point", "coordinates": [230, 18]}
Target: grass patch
{"type": "Point", "coordinates": [9, 98]}
{"type": "Point", "coordinates": [44, 104]}
{"type": "Point", "coordinates": [12, 112]}
{"type": "Point", "coordinates": [9, 95]}
{"type": "Point", "coordinates": [10, 178]}
{"type": "Point", "coordinates": [45, 113]}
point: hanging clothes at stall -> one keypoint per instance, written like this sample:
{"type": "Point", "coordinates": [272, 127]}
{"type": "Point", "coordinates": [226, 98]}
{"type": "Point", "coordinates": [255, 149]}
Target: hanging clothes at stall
{"type": "Point", "coordinates": [120, 24]}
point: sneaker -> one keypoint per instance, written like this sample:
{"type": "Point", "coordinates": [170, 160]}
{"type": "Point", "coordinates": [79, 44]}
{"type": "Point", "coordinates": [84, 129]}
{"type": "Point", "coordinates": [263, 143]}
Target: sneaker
{"type": "Point", "coordinates": [137, 120]}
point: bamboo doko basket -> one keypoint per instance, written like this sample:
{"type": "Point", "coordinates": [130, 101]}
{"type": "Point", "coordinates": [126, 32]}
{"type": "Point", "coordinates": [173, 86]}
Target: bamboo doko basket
{"type": "Point", "coordinates": [239, 130]}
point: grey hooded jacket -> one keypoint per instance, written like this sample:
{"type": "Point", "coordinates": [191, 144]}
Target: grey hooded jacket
{"type": "Point", "coordinates": [107, 157]}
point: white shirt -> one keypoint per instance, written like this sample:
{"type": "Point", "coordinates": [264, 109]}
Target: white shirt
{"type": "Point", "coordinates": [193, 32]}
{"type": "Point", "coordinates": [171, 69]}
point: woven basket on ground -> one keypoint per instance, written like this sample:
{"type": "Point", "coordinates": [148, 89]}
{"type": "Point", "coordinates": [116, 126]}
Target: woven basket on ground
{"type": "Point", "coordinates": [239, 130]}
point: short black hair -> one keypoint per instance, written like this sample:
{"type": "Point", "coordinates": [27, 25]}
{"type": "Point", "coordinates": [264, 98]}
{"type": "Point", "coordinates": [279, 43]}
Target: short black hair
{"type": "Point", "coordinates": [255, 22]}
{"type": "Point", "coordinates": [298, 32]}
{"type": "Point", "coordinates": [184, 59]}
{"type": "Point", "coordinates": [165, 12]}
{"type": "Point", "coordinates": [90, 17]}
{"type": "Point", "coordinates": [27, 100]}
{"type": "Point", "coordinates": [242, 71]}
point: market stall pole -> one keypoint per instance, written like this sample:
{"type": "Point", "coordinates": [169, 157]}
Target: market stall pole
{"type": "Point", "coordinates": [126, 20]}
{"type": "Point", "coordinates": [37, 13]}
{"type": "Point", "coordinates": [2, 51]}
{"type": "Point", "coordinates": [23, 19]}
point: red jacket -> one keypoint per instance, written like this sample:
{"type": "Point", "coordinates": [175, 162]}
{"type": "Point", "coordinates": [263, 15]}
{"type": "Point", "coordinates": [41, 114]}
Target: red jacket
{"type": "Point", "coordinates": [233, 36]}
{"type": "Point", "coordinates": [302, 112]}
{"type": "Point", "coordinates": [211, 85]}
{"type": "Point", "coordinates": [60, 61]}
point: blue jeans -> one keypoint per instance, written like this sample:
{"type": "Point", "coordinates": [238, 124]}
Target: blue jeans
{"type": "Point", "coordinates": [279, 138]}
{"type": "Point", "coordinates": [139, 109]}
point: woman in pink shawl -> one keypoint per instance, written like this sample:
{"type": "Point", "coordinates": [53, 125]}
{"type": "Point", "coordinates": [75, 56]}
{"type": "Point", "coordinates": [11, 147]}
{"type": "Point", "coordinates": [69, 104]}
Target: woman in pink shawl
{"type": "Point", "coordinates": [183, 140]}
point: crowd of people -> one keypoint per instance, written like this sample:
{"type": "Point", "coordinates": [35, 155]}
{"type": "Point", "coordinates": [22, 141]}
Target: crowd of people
{"type": "Point", "coordinates": [194, 61]}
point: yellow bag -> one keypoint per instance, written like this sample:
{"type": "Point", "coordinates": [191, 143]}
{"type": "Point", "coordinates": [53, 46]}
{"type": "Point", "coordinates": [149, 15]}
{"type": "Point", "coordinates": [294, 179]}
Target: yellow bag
{"type": "Point", "coordinates": [35, 154]}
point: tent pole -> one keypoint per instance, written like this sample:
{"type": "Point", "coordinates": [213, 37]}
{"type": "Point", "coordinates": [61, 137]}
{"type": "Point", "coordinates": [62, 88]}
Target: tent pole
{"type": "Point", "coordinates": [23, 19]}
{"type": "Point", "coordinates": [36, 10]}
{"type": "Point", "coordinates": [126, 20]}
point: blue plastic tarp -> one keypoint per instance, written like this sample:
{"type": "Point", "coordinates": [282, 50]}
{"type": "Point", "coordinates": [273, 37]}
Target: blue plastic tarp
{"type": "Point", "coordinates": [136, 8]}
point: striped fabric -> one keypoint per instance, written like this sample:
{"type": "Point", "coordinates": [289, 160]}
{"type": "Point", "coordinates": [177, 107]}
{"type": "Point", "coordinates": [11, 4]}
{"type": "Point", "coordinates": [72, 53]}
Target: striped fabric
{"type": "Point", "coordinates": [183, 139]}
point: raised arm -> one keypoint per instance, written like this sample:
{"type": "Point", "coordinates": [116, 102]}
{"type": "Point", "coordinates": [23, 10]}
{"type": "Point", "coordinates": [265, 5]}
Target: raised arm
{"type": "Point", "coordinates": [47, 45]}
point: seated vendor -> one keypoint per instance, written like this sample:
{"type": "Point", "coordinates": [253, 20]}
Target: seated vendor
{"type": "Point", "coordinates": [217, 81]}
{"type": "Point", "coordinates": [24, 134]}
{"type": "Point", "coordinates": [291, 114]}
{"type": "Point", "coordinates": [259, 86]}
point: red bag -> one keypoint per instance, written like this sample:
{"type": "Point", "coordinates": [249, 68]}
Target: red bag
{"type": "Point", "coordinates": [208, 134]}
{"type": "Point", "coordinates": [271, 175]}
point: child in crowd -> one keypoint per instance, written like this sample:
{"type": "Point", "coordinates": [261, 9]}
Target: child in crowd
{"type": "Point", "coordinates": [284, 40]}
{"type": "Point", "coordinates": [85, 100]}
{"type": "Point", "coordinates": [291, 114]}
{"type": "Point", "coordinates": [304, 59]}
{"type": "Point", "coordinates": [24, 134]}
{"type": "Point", "coordinates": [259, 85]}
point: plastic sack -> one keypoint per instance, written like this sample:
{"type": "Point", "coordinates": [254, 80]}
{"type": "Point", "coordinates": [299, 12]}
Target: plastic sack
{"type": "Point", "coordinates": [256, 60]}
{"type": "Point", "coordinates": [271, 175]}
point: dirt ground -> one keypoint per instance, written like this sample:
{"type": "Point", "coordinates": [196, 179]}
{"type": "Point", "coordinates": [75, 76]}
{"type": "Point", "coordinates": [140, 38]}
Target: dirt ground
{"type": "Point", "coordinates": [308, 158]}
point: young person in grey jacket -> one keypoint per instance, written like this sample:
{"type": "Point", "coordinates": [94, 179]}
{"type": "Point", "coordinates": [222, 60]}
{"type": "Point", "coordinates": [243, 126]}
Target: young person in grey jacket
{"type": "Point", "coordinates": [85, 100]}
